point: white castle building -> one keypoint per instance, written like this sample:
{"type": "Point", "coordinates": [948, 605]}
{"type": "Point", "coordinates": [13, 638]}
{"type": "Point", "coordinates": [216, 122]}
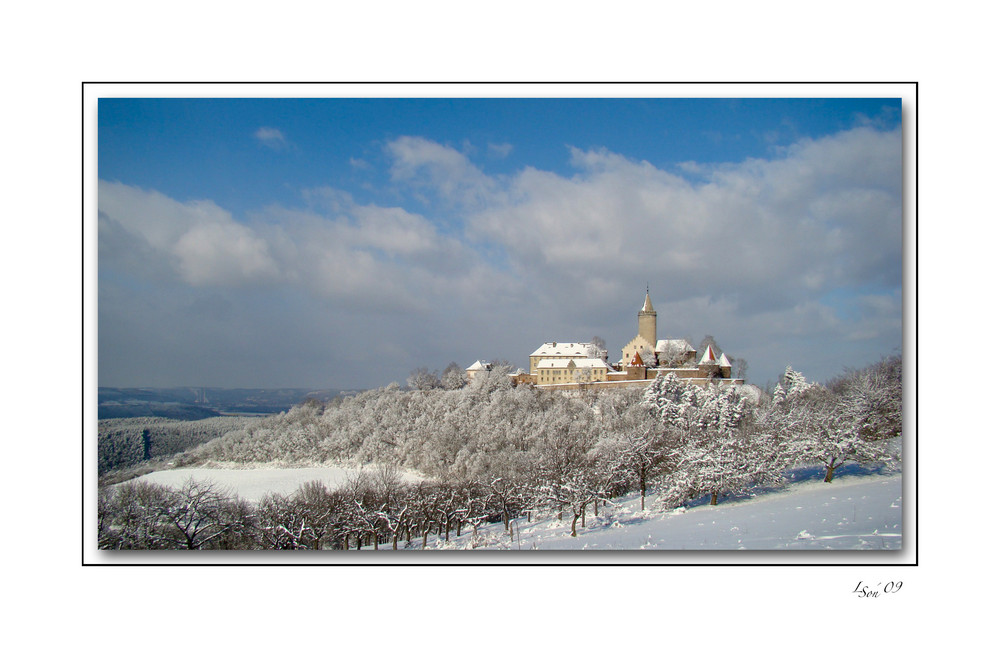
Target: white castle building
{"type": "Point", "coordinates": [643, 358]}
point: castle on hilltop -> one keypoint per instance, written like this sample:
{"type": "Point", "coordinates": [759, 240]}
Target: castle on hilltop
{"type": "Point", "coordinates": [561, 365]}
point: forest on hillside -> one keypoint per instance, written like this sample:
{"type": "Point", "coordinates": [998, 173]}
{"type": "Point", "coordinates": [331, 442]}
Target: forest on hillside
{"type": "Point", "coordinates": [496, 452]}
{"type": "Point", "coordinates": [126, 442]}
{"type": "Point", "coordinates": [492, 452]}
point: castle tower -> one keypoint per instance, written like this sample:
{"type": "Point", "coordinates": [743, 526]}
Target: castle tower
{"type": "Point", "coordinates": [647, 321]}
{"type": "Point", "coordinates": [646, 340]}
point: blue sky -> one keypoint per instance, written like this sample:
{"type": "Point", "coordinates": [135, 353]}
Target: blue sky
{"type": "Point", "coordinates": [342, 243]}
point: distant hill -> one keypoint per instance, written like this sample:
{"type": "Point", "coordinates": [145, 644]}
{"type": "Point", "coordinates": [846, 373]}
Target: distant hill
{"type": "Point", "coordinates": [195, 403]}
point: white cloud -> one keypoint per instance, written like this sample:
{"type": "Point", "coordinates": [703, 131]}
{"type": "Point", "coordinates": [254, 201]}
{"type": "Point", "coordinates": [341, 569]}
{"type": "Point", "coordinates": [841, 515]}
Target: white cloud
{"type": "Point", "coordinates": [271, 138]}
{"type": "Point", "coordinates": [198, 239]}
{"type": "Point", "coordinates": [500, 150]}
{"type": "Point", "coordinates": [365, 254]}
{"type": "Point", "coordinates": [747, 252]}
{"type": "Point", "coordinates": [423, 164]}
{"type": "Point", "coordinates": [825, 215]}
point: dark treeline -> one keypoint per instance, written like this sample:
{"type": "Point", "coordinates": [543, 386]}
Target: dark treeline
{"type": "Point", "coordinates": [126, 442]}
{"type": "Point", "coordinates": [492, 452]}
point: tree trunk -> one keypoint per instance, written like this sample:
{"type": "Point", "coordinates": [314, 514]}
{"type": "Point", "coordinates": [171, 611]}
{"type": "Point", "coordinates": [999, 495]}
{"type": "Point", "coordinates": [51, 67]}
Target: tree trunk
{"type": "Point", "coordinates": [375, 542]}
{"type": "Point", "coordinates": [715, 498]}
{"type": "Point", "coordinates": [642, 490]}
{"type": "Point", "coordinates": [573, 530]}
{"type": "Point", "coordinates": [829, 473]}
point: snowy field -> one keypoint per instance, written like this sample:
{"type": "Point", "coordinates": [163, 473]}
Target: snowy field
{"type": "Point", "coordinates": [854, 512]}
{"type": "Point", "coordinates": [253, 483]}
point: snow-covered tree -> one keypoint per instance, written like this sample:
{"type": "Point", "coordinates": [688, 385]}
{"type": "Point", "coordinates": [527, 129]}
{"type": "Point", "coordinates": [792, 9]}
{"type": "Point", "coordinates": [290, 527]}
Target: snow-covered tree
{"type": "Point", "coordinates": [674, 354]}
{"type": "Point", "coordinates": [317, 507]}
{"type": "Point", "coordinates": [792, 382]}
{"type": "Point", "coordinates": [131, 517]}
{"type": "Point", "coordinates": [280, 526]}
{"type": "Point", "coordinates": [423, 379]}
{"type": "Point", "coordinates": [453, 377]}
{"type": "Point", "coordinates": [634, 445]}
{"type": "Point", "coordinates": [598, 349]}
{"type": "Point", "coordinates": [821, 427]}
{"type": "Point", "coordinates": [875, 399]}
{"type": "Point", "coordinates": [713, 446]}
{"type": "Point", "coordinates": [648, 357]}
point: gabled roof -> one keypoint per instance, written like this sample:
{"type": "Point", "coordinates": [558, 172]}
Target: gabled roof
{"type": "Point", "coordinates": [564, 349]}
{"type": "Point", "coordinates": [636, 361]}
{"type": "Point", "coordinates": [639, 340]}
{"type": "Point", "coordinates": [478, 366]}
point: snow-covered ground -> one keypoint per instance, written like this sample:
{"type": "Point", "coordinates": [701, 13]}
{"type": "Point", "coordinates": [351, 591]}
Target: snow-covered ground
{"type": "Point", "coordinates": [853, 512]}
{"type": "Point", "coordinates": [253, 483]}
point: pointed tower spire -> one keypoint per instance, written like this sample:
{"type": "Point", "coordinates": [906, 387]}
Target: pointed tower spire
{"type": "Point", "coordinates": [647, 306]}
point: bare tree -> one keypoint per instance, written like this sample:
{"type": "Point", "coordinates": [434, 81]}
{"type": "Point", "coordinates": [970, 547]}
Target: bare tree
{"type": "Point", "coordinates": [708, 341]}
{"type": "Point", "coordinates": [740, 367]}
{"type": "Point", "coordinates": [316, 507]}
{"type": "Point", "coordinates": [197, 514]}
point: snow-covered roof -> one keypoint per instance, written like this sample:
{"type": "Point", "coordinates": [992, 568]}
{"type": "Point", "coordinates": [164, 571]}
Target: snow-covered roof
{"type": "Point", "coordinates": [671, 345]}
{"type": "Point", "coordinates": [709, 357]}
{"type": "Point", "coordinates": [647, 306]}
{"type": "Point", "coordinates": [724, 361]}
{"type": "Point", "coordinates": [564, 349]}
{"type": "Point", "coordinates": [566, 363]}
{"type": "Point", "coordinates": [478, 366]}
{"type": "Point", "coordinates": [636, 361]}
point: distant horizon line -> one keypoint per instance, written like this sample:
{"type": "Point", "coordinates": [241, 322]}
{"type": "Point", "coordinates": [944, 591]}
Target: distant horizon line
{"type": "Point", "coordinates": [233, 388]}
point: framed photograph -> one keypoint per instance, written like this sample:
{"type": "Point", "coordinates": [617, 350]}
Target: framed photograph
{"type": "Point", "coordinates": [499, 323]}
